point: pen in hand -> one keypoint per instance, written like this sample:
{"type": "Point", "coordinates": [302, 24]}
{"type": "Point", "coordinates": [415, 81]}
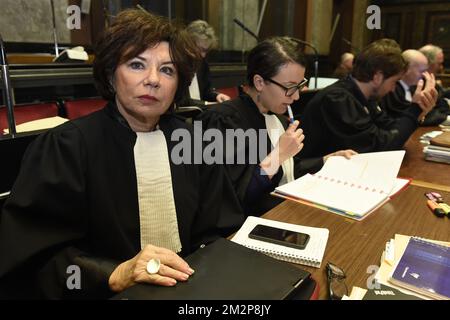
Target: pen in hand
{"type": "Point", "coordinates": [291, 116]}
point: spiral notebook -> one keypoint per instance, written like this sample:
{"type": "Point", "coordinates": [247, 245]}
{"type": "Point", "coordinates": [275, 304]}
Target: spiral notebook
{"type": "Point", "coordinates": [312, 255]}
{"type": "Point", "coordinates": [425, 268]}
{"type": "Point", "coordinates": [351, 187]}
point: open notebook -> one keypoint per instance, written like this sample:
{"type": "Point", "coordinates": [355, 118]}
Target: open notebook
{"type": "Point", "coordinates": [312, 255]}
{"type": "Point", "coordinates": [353, 188]}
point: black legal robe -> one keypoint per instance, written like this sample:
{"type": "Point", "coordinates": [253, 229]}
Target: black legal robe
{"type": "Point", "coordinates": [395, 105]}
{"type": "Point", "coordinates": [207, 91]}
{"type": "Point", "coordinates": [340, 117]}
{"type": "Point", "coordinates": [252, 188]}
{"type": "Point", "coordinates": [75, 203]}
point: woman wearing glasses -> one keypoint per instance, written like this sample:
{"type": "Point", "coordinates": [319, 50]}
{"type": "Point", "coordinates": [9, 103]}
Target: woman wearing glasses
{"type": "Point", "coordinates": [275, 75]}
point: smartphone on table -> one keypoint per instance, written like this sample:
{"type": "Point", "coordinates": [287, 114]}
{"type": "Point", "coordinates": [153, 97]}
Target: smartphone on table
{"type": "Point", "coordinates": [282, 237]}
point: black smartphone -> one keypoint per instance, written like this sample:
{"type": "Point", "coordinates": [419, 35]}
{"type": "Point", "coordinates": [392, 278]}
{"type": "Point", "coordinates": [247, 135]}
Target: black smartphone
{"type": "Point", "coordinates": [283, 237]}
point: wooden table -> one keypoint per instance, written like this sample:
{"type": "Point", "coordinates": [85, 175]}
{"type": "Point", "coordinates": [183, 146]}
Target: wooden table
{"type": "Point", "coordinates": [357, 245]}
{"type": "Point", "coordinates": [424, 173]}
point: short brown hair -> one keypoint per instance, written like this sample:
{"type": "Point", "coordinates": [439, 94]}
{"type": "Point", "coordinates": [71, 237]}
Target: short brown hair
{"type": "Point", "coordinates": [384, 55]}
{"type": "Point", "coordinates": [134, 31]}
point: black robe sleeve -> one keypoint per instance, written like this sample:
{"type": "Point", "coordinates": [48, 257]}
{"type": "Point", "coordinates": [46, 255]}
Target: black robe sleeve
{"type": "Point", "coordinates": [47, 219]}
{"type": "Point", "coordinates": [438, 114]}
{"type": "Point", "coordinates": [335, 120]}
{"type": "Point", "coordinates": [252, 187]}
{"type": "Point", "coordinates": [396, 106]}
{"type": "Point", "coordinates": [240, 174]}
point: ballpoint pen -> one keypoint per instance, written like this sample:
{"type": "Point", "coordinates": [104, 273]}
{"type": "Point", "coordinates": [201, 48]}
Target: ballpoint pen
{"type": "Point", "coordinates": [291, 116]}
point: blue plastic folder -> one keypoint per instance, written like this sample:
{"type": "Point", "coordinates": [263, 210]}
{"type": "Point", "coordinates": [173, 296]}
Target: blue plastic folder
{"type": "Point", "coordinates": [424, 268]}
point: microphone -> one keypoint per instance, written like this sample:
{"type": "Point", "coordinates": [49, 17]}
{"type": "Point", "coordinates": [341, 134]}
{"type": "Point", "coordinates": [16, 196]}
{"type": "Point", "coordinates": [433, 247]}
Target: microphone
{"type": "Point", "coordinates": [316, 58]}
{"type": "Point", "coordinates": [356, 50]}
{"type": "Point", "coordinates": [106, 13]}
{"type": "Point", "coordinates": [240, 24]}
{"type": "Point", "coordinates": [7, 92]}
{"type": "Point", "coordinates": [55, 36]}
{"type": "Point", "coordinates": [306, 44]}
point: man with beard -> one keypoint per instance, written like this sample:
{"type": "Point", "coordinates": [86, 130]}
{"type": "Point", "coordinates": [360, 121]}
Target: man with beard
{"type": "Point", "coordinates": [347, 115]}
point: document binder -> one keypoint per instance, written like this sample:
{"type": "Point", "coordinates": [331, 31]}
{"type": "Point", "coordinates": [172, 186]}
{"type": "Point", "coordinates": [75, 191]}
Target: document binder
{"type": "Point", "coordinates": [353, 188]}
{"type": "Point", "coordinates": [225, 270]}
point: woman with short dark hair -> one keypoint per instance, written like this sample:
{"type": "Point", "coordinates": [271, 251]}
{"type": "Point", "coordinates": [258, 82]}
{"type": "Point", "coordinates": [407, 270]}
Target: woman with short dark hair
{"type": "Point", "coordinates": [100, 202]}
{"type": "Point", "coordinates": [275, 75]}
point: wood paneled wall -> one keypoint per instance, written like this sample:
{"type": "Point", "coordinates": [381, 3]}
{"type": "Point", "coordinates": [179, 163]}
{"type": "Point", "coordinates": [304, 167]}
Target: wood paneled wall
{"type": "Point", "coordinates": [414, 24]}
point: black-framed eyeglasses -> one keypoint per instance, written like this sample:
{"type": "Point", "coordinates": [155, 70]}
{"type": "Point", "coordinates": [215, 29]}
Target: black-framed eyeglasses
{"type": "Point", "coordinates": [336, 282]}
{"type": "Point", "coordinates": [289, 91]}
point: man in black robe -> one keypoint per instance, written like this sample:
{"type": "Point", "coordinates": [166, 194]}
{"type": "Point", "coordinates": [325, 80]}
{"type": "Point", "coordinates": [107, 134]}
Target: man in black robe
{"type": "Point", "coordinates": [400, 100]}
{"type": "Point", "coordinates": [347, 115]}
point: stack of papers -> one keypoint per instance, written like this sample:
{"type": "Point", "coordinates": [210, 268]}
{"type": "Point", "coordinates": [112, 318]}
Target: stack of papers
{"type": "Point", "coordinates": [437, 154]}
{"type": "Point", "coordinates": [439, 148]}
{"type": "Point", "coordinates": [425, 138]}
{"type": "Point", "coordinates": [397, 247]}
{"type": "Point", "coordinates": [389, 260]}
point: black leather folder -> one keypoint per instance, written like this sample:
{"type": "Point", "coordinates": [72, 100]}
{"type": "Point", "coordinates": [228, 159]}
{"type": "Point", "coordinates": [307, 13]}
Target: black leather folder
{"type": "Point", "coordinates": [225, 270]}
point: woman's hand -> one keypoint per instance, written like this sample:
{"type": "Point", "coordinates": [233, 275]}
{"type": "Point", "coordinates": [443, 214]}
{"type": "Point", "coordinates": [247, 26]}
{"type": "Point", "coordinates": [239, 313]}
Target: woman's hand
{"type": "Point", "coordinates": [289, 144]}
{"type": "Point", "coordinates": [133, 271]}
{"type": "Point", "coordinates": [344, 153]}
{"type": "Point", "coordinates": [221, 97]}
